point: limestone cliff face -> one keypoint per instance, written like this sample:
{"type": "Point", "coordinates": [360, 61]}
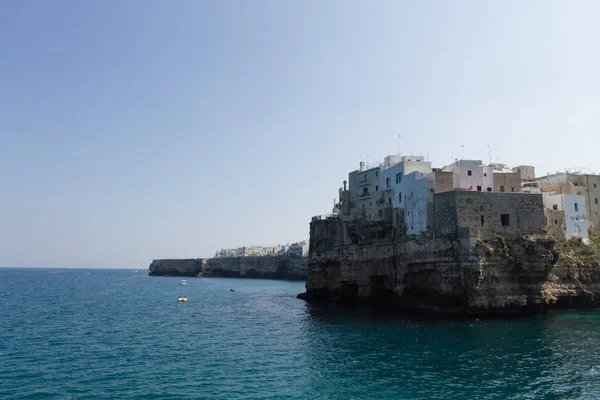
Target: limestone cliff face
{"type": "Point", "coordinates": [267, 267]}
{"type": "Point", "coordinates": [369, 262]}
{"type": "Point", "coordinates": [177, 267]}
{"type": "Point", "coordinates": [275, 267]}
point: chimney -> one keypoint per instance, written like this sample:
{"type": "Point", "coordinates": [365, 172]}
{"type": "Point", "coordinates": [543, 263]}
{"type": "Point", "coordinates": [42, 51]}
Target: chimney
{"type": "Point", "coordinates": [362, 166]}
{"type": "Point", "coordinates": [345, 185]}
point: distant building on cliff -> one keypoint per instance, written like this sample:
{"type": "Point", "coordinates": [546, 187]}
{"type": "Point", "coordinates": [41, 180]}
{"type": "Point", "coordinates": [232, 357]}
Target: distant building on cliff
{"type": "Point", "coordinates": [296, 249]}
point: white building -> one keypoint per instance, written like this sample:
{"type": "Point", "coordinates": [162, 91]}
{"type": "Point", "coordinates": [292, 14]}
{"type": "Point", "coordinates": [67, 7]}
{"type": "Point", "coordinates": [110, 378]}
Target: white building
{"type": "Point", "coordinates": [393, 178]}
{"type": "Point", "coordinates": [416, 198]}
{"type": "Point", "coordinates": [299, 249]}
{"type": "Point", "coordinates": [472, 175]}
{"type": "Point", "coordinates": [574, 207]}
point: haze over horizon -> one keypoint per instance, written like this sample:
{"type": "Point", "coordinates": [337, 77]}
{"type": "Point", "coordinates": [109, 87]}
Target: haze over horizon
{"type": "Point", "coordinates": [150, 129]}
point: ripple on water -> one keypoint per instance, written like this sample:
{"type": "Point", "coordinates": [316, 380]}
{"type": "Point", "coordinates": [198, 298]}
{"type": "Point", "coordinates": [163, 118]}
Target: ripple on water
{"type": "Point", "coordinates": [117, 334]}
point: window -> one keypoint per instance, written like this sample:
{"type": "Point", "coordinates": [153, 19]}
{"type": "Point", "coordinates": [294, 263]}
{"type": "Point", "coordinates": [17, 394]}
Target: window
{"type": "Point", "coordinates": [576, 207]}
{"type": "Point", "coordinates": [380, 213]}
{"type": "Point", "coordinates": [480, 208]}
{"type": "Point", "coordinates": [485, 174]}
{"type": "Point", "coordinates": [482, 220]}
{"type": "Point", "coordinates": [555, 206]}
{"type": "Point", "coordinates": [376, 173]}
{"type": "Point", "coordinates": [369, 216]}
{"type": "Point", "coordinates": [390, 200]}
{"type": "Point", "coordinates": [370, 203]}
{"type": "Point", "coordinates": [387, 182]}
{"type": "Point", "coordinates": [400, 197]}
{"type": "Point", "coordinates": [575, 184]}
{"type": "Point", "coordinates": [430, 190]}
{"type": "Point", "coordinates": [489, 189]}
{"type": "Point", "coordinates": [505, 219]}
{"type": "Point", "coordinates": [596, 200]}
{"type": "Point", "coordinates": [555, 222]}
{"type": "Point", "coordinates": [377, 188]}
{"type": "Point", "coordinates": [594, 185]}
{"type": "Point", "coordinates": [501, 188]}
{"type": "Point", "coordinates": [512, 188]}
{"type": "Point", "coordinates": [365, 191]}
{"type": "Point", "coordinates": [399, 177]}
{"type": "Point", "coordinates": [479, 188]}
{"type": "Point", "coordinates": [469, 172]}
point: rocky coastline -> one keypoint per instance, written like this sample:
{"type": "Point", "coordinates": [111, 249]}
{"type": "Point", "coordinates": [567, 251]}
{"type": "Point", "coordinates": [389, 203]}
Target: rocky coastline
{"type": "Point", "coordinates": [282, 267]}
{"type": "Point", "coordinates": [365, 262]}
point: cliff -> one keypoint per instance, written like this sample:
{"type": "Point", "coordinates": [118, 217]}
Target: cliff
{"type": "Point", "coordinates": [177, 267]}
{"type": "Point", "coordinates": [265, 267]}
{"type": "Point", "coordinates": [372, 262]}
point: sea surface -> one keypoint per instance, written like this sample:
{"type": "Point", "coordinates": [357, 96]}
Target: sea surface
{"type": "Point", "coordinates": [91, 334]}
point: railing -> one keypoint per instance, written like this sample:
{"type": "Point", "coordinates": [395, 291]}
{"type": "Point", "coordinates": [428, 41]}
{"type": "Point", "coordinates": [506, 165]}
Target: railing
{"type": "Point", "coordinates": [326, 216]}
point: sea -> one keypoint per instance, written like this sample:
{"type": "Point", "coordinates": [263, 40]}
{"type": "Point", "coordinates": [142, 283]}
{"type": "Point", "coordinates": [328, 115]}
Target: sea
{"type": "Point", "coordinates": [121, 334]}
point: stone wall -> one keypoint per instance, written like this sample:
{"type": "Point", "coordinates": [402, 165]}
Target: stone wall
{"type": "Point", "coordinates": [444, 181]}
{"type": "Point", "coordinates": [483, 215]}
{"type": "Point", "coordinates": [267, 267]}
{"type": "Point", "coordinates": [507, 182]}
{"type": "Point", "coordinates": [555, 223]}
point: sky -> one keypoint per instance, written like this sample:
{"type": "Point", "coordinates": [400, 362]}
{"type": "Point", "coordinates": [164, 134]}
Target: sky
{"type": "Point", "coordinates": [139, 129]}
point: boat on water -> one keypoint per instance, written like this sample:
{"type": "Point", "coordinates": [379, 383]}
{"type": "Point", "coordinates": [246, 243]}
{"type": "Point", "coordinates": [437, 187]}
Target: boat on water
{"type": "Point", "coordinates": [183, 299]}
{"type": "Point", "coordinates": [232, 290]}
{"type": "Point", "coordinates": [183, 282]}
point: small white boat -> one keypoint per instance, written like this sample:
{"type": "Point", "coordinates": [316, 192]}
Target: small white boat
{"type": "Point", "coordinates": [182, 298]}
{"type": "Point", "coordinates": [183, 282]}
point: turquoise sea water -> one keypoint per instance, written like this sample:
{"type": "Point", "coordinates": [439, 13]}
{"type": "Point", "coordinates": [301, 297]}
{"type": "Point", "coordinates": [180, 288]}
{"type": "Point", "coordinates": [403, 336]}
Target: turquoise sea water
{"type": "Point", "coordinates": [121, 334]}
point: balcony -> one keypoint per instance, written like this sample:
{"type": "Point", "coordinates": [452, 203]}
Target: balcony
{"type": "Point", "coordinates": [364, 182]}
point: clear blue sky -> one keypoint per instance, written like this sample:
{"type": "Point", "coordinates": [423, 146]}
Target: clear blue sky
{"type": "Point", "coordinates": [133, 130]}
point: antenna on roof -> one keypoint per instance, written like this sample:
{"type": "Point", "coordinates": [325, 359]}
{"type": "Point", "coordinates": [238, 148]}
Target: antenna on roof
{"type": "Point", "coordinates": [462, 151]}
{"type": "Point", "coordinates": [489, 153]}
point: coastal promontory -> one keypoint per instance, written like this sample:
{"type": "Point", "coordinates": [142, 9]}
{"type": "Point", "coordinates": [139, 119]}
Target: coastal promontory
{"type": "Point", "coordinates": [266, 267]}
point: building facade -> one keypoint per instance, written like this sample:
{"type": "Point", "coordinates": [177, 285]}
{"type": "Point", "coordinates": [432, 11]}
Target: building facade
{"type": "Point", "coordinates": [364, 191]}
{"type": "Point", "coordinates": [586, 185]}
{"type": "Point", "coordinates": [472, 175]}
{"type": "Point", "coordinates": [569, 216]}
{"type": "Point", "coordinates": [393, 178]}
